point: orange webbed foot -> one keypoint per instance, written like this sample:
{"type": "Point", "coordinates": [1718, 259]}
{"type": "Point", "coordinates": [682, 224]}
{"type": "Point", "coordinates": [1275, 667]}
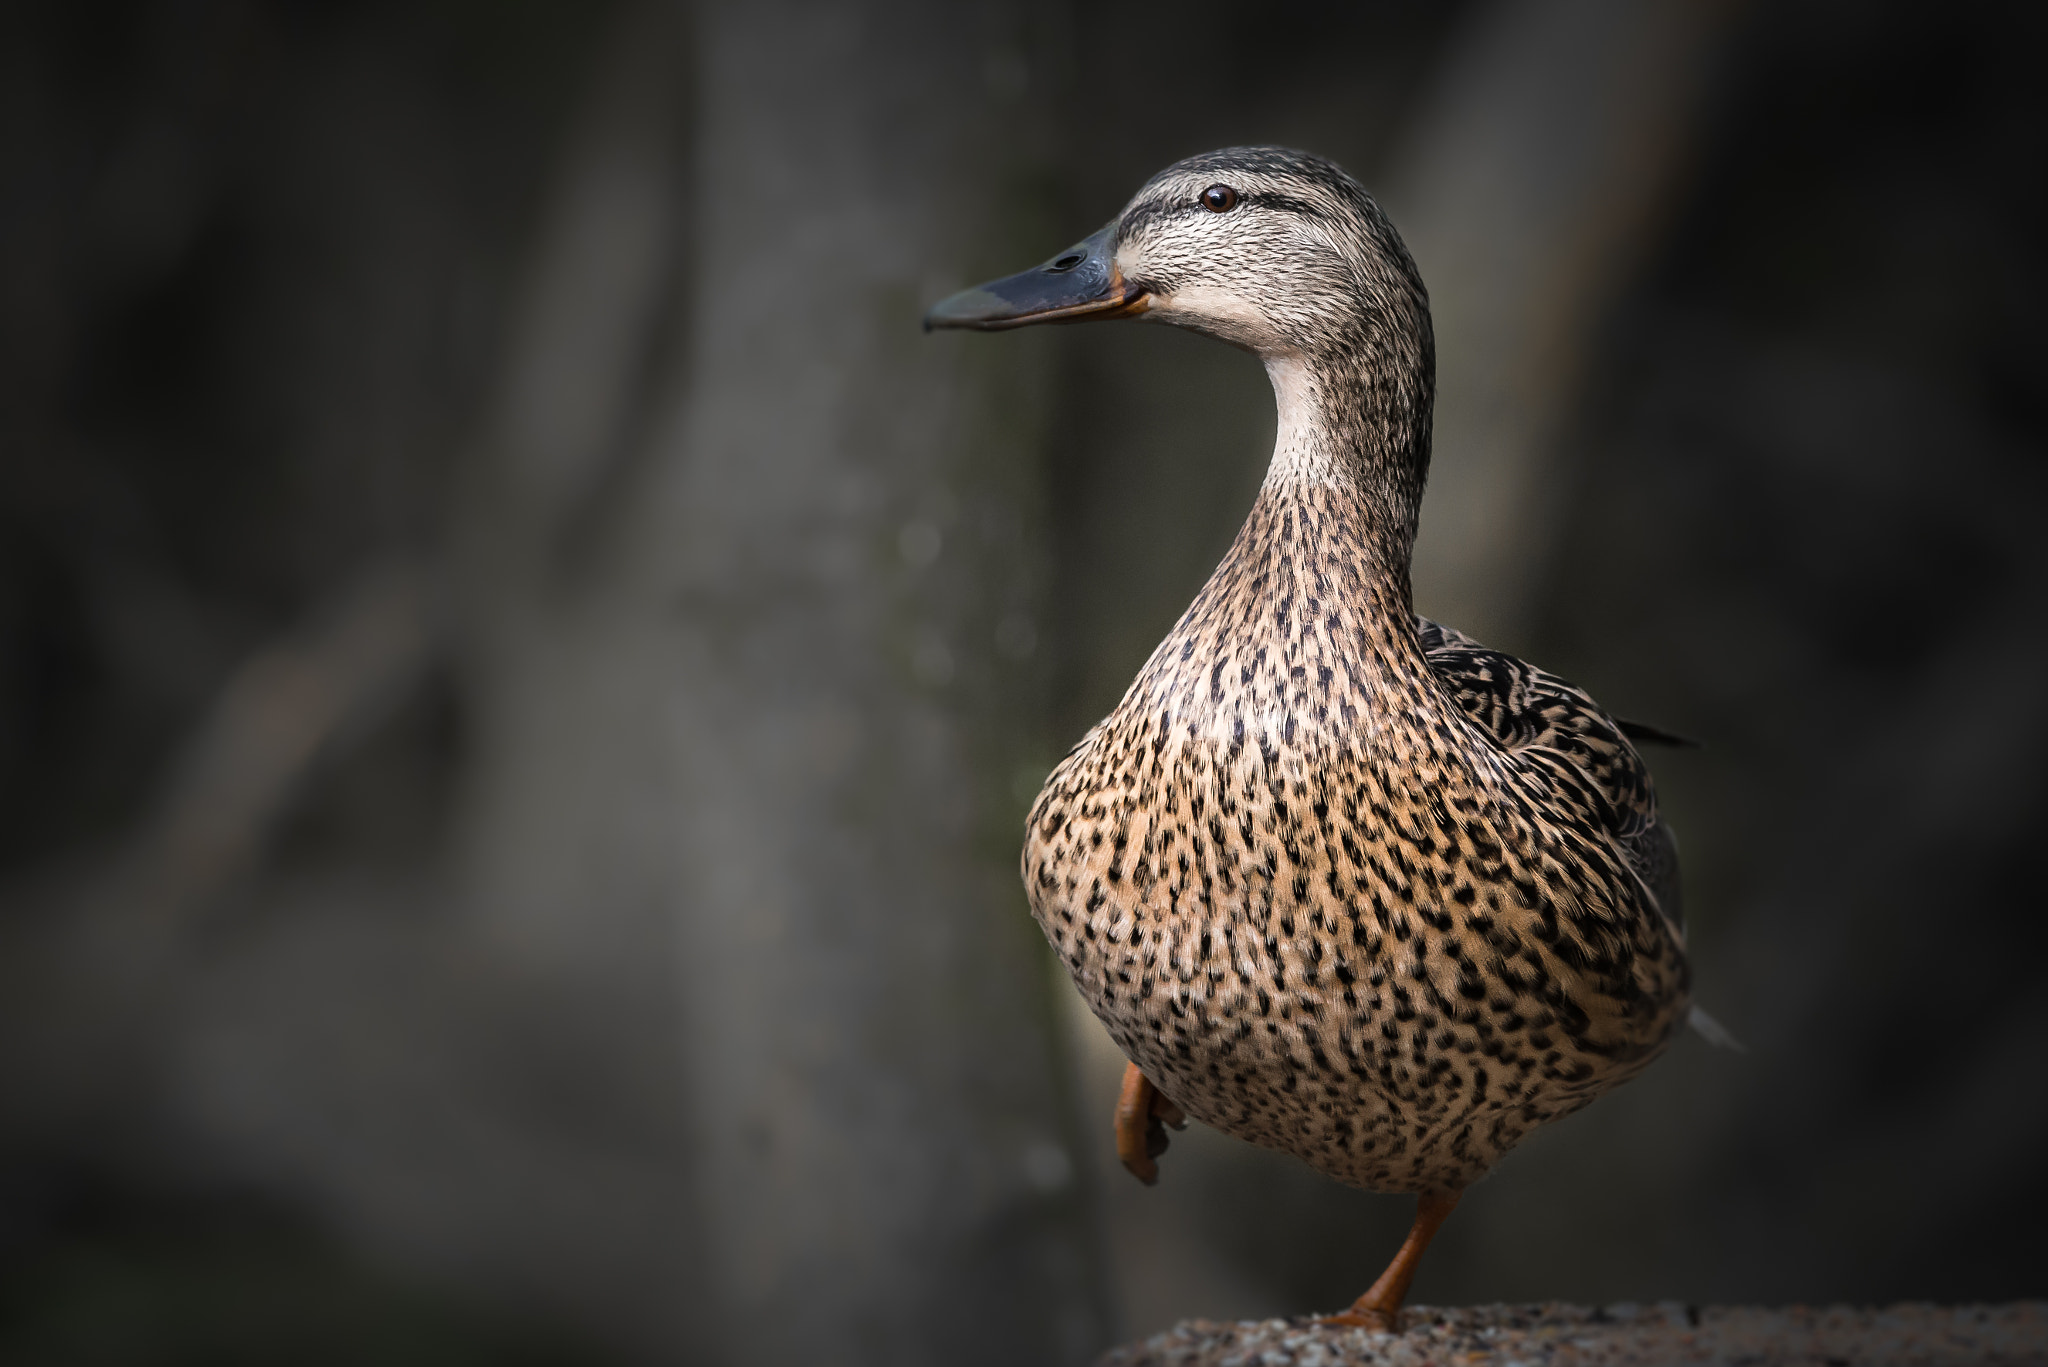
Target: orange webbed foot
{"type": "Point", "coordinates": [1142, 1115]}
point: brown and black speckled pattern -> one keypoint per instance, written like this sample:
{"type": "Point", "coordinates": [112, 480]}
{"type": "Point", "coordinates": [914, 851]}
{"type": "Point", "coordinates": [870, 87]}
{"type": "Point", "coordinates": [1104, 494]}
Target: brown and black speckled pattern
{"type": "Point", "coordinates": [1349, 885]}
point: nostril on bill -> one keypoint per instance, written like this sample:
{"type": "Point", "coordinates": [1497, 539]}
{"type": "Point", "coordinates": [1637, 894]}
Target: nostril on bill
{"type": "Point", "coordinates": [1067, 262]}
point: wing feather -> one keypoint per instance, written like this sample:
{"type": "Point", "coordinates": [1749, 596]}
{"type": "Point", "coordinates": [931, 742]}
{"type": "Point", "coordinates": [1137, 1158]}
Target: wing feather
{"type": "Point", "coordinates": [1526, 708]}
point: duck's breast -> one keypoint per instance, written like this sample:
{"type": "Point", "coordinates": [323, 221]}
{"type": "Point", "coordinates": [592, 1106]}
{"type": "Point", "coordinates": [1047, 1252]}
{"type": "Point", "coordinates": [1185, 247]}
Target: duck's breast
{"type": "Point", "coordinates": [1350, 951]}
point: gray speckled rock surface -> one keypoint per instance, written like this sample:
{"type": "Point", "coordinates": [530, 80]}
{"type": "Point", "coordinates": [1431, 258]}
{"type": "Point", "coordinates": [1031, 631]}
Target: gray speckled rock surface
{"type": "Point", "coordinates": [1558, 1335]}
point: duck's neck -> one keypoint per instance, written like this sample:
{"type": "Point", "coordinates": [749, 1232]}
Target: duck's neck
{"type": "Point", "coordinates": [1355, 429]}
{"type": "Point", "coordinates": [1304, 625]}
{"type": "Point", "coordinates": [1313, 596]}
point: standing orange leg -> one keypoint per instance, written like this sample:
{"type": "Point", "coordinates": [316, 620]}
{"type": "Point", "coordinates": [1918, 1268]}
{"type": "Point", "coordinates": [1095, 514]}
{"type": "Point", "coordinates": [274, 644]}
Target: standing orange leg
{"type": "Point", "coordinates": [1380, 1307]}
{"type": "Point", "coordinates": [1140, 1134]}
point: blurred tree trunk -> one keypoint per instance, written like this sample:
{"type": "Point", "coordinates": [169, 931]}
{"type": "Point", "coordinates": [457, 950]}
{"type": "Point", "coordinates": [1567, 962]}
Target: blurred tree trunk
{"type": "Point", "coordinates": [742, 547]}
{"type": "Point", "coordinates": [1531, 188]}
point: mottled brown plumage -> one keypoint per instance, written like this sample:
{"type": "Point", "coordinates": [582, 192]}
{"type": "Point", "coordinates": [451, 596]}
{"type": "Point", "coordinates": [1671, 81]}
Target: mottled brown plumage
{"type": "Point", "coordinates": [1341, 881]}
{"type": "Point", "coordinates": [1344, 884]}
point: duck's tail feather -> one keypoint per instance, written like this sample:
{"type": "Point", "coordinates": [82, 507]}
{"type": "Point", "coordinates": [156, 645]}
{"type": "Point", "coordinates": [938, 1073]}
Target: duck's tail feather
{"type": "Point", "coordinates": [1656, 735]}
{"type": "Point", "coordinates": [1713, 1032]}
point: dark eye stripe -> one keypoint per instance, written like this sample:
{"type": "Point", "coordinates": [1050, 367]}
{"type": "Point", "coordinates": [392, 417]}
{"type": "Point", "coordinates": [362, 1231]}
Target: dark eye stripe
{"type": "Point", "coordinates": [1164, 211]}
{"type": "Point", "coordinates": [1284, 203]}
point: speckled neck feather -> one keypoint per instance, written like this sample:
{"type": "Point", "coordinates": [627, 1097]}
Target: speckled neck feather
{"type": "Point", "coordinates": [1304, 605]}
{"type": "Point", "coordinates": [1328, 543]}
{"type": "Point", "coordinates": [1341, 427]}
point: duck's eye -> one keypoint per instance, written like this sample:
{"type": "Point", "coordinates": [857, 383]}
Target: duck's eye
{"type": "Point", "coordinates": [1219, 199]}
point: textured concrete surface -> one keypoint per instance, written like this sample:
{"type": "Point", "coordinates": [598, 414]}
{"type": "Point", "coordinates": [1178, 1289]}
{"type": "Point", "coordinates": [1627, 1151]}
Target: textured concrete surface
{"type": "Point", "coordinates": [1558, 1335]}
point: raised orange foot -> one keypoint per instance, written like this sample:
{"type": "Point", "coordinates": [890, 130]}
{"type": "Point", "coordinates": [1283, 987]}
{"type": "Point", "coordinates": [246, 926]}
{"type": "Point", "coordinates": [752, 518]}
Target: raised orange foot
{"type": "Point", "coordinates": [1142, 1115]}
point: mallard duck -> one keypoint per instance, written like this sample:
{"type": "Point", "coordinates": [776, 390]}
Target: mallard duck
{"type": "Point", "coordinates": [1338, 880]}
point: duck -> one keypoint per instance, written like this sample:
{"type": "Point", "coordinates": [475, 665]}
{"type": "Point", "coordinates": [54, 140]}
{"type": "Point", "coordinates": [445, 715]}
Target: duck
{"type": "Point", "coordinates": [1337, 880]}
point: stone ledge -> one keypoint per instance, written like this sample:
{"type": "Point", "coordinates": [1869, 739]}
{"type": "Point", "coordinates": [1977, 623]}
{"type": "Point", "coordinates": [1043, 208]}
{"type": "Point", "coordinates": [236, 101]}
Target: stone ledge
{"type": "Point", "coordinates": [1558, 1335]}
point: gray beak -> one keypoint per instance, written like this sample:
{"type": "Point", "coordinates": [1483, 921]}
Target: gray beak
{"type": "Point", "coordinates": [1081, 282]}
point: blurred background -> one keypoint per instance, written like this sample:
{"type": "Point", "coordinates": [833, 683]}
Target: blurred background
{"type": "Point", "coordinates": [521, 669]}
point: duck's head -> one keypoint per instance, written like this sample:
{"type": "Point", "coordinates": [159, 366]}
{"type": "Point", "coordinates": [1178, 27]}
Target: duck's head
{"type": "Point", "coordinates": [1272, 250]}
{"type": "Point", "coordinates": [1269, 249]}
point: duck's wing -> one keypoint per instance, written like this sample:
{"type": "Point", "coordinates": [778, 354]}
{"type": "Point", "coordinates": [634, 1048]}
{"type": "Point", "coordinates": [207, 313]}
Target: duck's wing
{"type": "Point", "coordinates": [1526, 709]}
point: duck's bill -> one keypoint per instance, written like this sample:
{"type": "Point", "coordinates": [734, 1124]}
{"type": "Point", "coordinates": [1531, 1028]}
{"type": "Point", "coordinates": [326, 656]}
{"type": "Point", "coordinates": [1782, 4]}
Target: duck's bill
{"type": "Point", "coordinates": [1080, 283]}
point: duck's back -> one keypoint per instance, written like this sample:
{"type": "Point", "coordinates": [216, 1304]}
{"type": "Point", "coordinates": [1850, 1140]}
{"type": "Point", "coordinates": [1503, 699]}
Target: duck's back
{"type": "Point", "coordinates": [1348, 885]}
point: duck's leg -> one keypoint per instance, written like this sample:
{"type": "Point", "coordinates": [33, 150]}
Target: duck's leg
{"type": "Point", "coordinates": [1380, 1307]}
{"type": "Point", "coordinates": [1142, 1114]}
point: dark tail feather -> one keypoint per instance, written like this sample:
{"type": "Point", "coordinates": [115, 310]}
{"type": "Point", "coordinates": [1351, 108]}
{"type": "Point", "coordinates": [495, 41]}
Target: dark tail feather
{"type": "Point", "coordinates": [1655, 735]}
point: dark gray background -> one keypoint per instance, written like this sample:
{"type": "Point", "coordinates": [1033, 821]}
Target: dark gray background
{"type": "Point", "coordinates": [521, 668]}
